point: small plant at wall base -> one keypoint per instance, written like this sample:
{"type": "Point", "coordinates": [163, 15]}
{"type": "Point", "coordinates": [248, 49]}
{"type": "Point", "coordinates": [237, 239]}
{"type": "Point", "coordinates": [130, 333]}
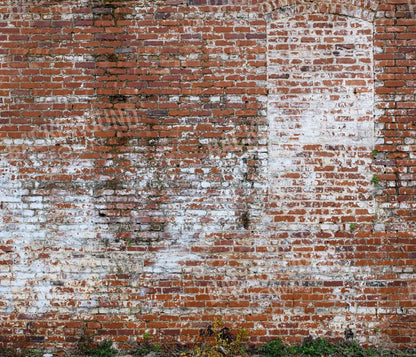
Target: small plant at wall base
{"type": "Point", "coordinates": [8, 352]}
{"type": "Point", "coordinates": [217, 341]}
{"type": "Point", "coordinates": [320, 347]}
{"type": "Point", "coordinates": [313, 347]}
{"type": "Point", "coordinates": [145, 347]}
{"type": "Point", "coordinates": [103, 349]}
{"type": "Point", "coordinates": [275, 348]}
{"type": "Point", "coordinates": [87, 347]}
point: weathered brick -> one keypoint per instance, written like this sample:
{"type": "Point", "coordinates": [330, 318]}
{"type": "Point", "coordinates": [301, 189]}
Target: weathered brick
{"type": "Point", "coordinates": [207, 158]}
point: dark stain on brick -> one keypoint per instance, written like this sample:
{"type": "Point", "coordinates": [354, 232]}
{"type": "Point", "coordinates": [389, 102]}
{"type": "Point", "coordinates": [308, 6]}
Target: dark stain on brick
{"type": "Point", "coordinates": [245, 220]}
{"type": "Point", "coordinates": [380, 284]}
{"type": "Point", "coordinates": [101, 57]}
{"type": "Point", "coordinates": [257, 36]}
{"type": "Point", "coordinates": [157, 226]}
{"type": "Point", "coordinates": [113, 184]}
{"type": "Point", "coordinates": [207, 2]}
{"type": "Point", "coordinates": [35, 338]}
{"type": "Point", "coordinates": [57, 283]}
{"type": "Point", "coordinates": [280, 75]}
{"type": "Point", "coordinates": [162, 15]}
{"type": "Point", "coordinates": [157, 113]}
{"type": "Point", "coordinates": [345, 46]}
{"type": "Point", "coordinates": [102, 10]}
{"type": "Point", "coordinates": [118, 98]}
{"type": "Point", "coordinates": [119, 50]}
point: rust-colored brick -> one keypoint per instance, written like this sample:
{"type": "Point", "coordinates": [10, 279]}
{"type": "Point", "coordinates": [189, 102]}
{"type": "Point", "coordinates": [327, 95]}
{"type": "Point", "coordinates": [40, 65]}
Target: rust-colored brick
{"type": "Point", "coordinates": [167, 162]}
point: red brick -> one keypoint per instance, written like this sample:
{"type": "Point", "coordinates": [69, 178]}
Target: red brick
{"type": "Point", "coordinates": [139, 159]}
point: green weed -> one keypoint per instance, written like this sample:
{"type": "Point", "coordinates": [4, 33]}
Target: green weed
{"type": "Point", "coordinates": [313, 347]}
{"type": "Point", "coordinates": [352, 348]}
{"type": "Point", "coordinates": [217, 341]}
{"type": "Point", "coordinates": [275, 348]}
{"type": "Point", "coordinates": [8, 352]}
{"type": "Point", "coordinates": [104, 349]}
{"type": "Point", "coordinates": [146, 347]}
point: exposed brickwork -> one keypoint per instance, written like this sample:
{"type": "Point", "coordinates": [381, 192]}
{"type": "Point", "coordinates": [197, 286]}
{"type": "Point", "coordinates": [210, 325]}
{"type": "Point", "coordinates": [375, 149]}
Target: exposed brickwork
{"type": "Point", "coordinates": [321, 120]}
{"type": "Point", "coordinates": [166, 162]}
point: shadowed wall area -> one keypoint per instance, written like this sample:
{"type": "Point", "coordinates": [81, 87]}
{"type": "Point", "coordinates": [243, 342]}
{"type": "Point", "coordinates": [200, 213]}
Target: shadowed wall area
{"type": "Point", "coordinates": [164, 163]}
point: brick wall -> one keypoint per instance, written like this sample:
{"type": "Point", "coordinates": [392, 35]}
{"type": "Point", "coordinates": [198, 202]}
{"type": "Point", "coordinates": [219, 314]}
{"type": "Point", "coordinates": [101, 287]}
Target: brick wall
{"type": "Point", "coordinates": [167, 162]}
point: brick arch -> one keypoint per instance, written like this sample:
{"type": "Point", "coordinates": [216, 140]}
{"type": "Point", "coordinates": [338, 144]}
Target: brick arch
{"type": "Point", "coordinates": [321, 118]}
{"type": "Point", "coordinates": [362, 9]}
{"type": "Point", "coordinates": [321, 135]}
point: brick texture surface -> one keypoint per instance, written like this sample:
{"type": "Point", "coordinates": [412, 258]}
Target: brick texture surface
{"type": "Point", "coordinates": [167, 162]}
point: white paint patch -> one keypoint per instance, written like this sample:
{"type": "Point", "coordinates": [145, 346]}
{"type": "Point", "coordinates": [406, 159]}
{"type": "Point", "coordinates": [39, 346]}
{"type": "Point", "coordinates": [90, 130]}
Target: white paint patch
{"type": "Point", "coordinates": [320, 111]}
{"type": "Point", "coordinates": [19, 227]}
{"type": "Point", "coordinates": [60, 222]}
{"type": "Point", "coordinates": [321, 117]}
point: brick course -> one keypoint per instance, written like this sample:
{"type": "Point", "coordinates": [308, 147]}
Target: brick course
{"type": "Point", "coordinates": [167, 162]}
